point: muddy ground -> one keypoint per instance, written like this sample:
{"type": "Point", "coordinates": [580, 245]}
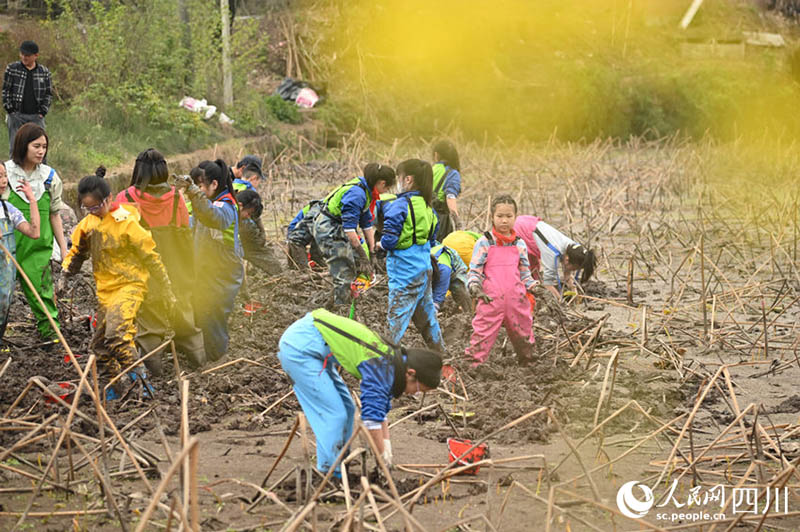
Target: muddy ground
{"type": "Point", "coordinates": [639, 333]}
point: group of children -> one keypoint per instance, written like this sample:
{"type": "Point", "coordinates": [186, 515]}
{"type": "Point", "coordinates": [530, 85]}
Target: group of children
{"type": "Point", "coordinates": [169, 257]}
{"type": "Point", "coordinates": [418, 231]}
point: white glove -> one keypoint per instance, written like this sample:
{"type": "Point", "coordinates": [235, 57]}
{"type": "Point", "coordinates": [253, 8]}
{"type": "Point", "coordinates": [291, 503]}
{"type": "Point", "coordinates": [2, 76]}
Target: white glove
{"type": "Point", "coordinates": [387, 452]}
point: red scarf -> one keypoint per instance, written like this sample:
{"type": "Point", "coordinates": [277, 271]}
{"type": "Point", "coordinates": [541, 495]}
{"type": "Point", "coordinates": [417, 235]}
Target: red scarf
{"type": "Point", "coordinates": [503, 240]}
{"type": "Point", "coordinates": [375, 197]}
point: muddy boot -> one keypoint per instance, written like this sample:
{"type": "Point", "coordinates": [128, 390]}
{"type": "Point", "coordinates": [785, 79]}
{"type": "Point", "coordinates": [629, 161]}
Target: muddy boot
{"type": "Point", "coordinates": [298, 259]}
{"type": "Point", "coordinates": [154, 364]}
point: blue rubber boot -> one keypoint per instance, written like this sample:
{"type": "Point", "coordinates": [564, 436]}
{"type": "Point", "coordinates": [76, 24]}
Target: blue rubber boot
{"type": "Point", "coordinates": [148, 392]}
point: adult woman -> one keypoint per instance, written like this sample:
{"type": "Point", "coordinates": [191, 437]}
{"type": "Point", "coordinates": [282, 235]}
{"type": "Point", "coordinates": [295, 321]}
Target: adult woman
{"type": "Point", "coordinates": [163, 212]}
{"type": "Point", "coordinates": [33, 255]}
{"type": "Point", "coordinates": [312, 347]}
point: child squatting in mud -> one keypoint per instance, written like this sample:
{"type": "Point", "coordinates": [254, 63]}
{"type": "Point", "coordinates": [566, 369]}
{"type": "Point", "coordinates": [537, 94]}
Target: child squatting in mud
{"type": "Point", "coordinates": [500, 279]}
{"type": "Point", "coordinates": [123, 259]}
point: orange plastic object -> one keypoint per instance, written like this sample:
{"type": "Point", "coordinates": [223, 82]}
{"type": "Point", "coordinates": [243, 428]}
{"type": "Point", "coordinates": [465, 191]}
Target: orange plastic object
{"type": "Point", "coordinates": [458, 447]}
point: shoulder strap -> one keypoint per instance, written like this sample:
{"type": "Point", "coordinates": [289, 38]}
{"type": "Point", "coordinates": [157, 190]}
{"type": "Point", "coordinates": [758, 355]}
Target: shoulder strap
{"type": "Point", "coordinates": [129, 197]}
{"type": "Point", "coordinates": [541, 237]}
{"type": "Point", "coordinates": [413, 221]}
{"type": "Point", "coordinates": [489, 237]}
{"type": "Point", "coordinates": [5, 210]}
{"type": "Point", "coordinates": [175, 198]}
{"type": "Point", "coordinates": [49, 181]}
{"type": "Point", "coordinates": [441, 181]}
{"type": "Point", "coordinates": [350, 337]}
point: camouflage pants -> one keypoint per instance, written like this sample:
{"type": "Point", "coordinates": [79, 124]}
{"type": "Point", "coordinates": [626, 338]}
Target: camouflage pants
{"type": "Point", "coordinates": [338, 253]}
{"type": "Point", "coordinates": [302, 233]}
{"type": "Point", "coordinates": [116, 328]}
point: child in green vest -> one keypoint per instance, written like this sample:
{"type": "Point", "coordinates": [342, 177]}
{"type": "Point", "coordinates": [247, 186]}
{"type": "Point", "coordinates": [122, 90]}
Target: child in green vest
{"type": "Point", "coordinates": [311, 349]}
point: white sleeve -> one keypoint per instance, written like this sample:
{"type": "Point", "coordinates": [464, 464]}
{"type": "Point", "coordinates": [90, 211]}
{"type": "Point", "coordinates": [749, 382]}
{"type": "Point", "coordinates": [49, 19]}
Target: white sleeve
{"type": "Point", "coordinates": [549, 260]}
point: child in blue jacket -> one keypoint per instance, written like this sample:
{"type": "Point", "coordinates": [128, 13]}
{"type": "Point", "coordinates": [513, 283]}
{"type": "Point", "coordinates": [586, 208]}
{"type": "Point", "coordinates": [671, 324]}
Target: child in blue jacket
{"type": "Point", "coordinates": [409, 227]}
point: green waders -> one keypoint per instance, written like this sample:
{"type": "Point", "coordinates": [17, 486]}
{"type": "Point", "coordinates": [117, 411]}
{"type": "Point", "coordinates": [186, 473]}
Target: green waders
{"type": "Point", "coordinates": [34, 258]}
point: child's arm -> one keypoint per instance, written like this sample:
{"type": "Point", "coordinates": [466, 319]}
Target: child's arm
{"type": "Point", "coordinates": [217, 215]}
{"type": "Point", "coordinates": [525, 266]}
{"type": "Point", "coordinates": [78, 253]}
{"type": "Point", "coordinates": [394, 218]}
{"type": "Point", "coordinates": [30, 229]}
{"type": "Point", "coordinates": [479, 254]}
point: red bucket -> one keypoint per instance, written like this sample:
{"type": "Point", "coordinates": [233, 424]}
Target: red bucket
{"type": "Point", "coordinates": [68, 390]}
{"type": "Point", "coordinates": [458, 447]}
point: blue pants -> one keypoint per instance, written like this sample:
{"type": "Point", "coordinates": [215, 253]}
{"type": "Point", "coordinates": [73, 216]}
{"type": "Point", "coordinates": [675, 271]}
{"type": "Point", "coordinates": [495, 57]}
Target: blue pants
{"type": "Point", "coordinates": [414, 301]}
{"type": "Point", "coordinates": [322, 393]}
{"type": "Point", "coordinates": [8, 273]}
{"type": "Point", "coordinates": [214, 300]}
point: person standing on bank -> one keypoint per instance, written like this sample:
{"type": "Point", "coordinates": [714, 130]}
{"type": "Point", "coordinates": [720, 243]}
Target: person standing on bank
{"type": "Point", "coordinates": [33, 255]}
{"type": "Point", "coordinates": [27, 91]}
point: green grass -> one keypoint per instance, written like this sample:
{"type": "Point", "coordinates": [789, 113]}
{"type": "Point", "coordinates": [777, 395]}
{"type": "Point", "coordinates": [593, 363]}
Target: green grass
{"type": "Point", "coordinates": [79, 144]}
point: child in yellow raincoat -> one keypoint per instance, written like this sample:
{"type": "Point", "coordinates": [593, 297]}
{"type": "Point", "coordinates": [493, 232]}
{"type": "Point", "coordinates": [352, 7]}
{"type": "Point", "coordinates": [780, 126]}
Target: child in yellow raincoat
{"type": "Point", "coordinates": [123, 258]}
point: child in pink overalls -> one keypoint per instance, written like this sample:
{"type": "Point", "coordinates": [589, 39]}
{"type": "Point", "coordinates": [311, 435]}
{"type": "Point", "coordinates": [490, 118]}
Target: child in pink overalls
{"type": "Point", "coordinates": [500, 279]}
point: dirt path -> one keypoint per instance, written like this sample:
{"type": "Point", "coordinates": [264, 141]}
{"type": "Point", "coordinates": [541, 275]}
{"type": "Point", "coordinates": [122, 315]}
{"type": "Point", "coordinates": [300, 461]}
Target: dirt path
{"type": "Point", "coordinates": [637, 364]}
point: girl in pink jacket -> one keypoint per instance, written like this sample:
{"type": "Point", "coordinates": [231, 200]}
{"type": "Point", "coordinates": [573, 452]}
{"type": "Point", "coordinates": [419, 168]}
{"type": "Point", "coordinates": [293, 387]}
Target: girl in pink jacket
{"type": "Point", "coordinates": [500, 279]}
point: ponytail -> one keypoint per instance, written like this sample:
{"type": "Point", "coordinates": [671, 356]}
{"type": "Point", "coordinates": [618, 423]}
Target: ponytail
{"type": "Point", "coordinates": [208, 171]}
{"type": "Point", "coordinates": [586, 259]}
{"type": "Point", "coordinates": [447, 154]}
{"type": "Point", "coordinates": [422, 173]}
{"type": "Point", "coordinates": [375, 172]}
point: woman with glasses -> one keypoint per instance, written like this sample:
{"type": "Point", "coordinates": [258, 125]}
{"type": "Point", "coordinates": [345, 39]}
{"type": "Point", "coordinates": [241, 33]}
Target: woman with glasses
{"type": "Point", "coordinates": [33, 255]}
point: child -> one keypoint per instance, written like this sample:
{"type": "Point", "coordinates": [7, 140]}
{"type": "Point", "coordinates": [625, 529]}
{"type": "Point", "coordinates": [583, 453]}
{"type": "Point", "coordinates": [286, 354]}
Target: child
{"type": "Point", "coordinates": [27, 164]}
{"type": "Point", "coordinates": [345, 209]}
{"type": "Point", "coordinates": [446, 187]}
{"type": "Point", "coordinates": [299, 237]}
{"type": "Point", "coordinates": [163, 212]}
{"type": "Point", "coordinates": [449, 273]}
{"type": "Point", "coordinates": [247, 174]}
{"type": "Point", "coordinates": [12, 219]}
{"type": "Point", "coordinates": [462, 242]}
{"type": "Point", "coordinates": [309, 352]}
{"type": "Point", "coordinates": [500, 278]}
{"type": "Point", "coordinates": [218, 251]}
{"type": "Point", "coordinates": [547, 247]}
{"type": "Point", "coordinates": [123, 259]}
{"type": "Point", "coordinates": [409, 226]}
{"type": "Point", "coordinates": [253, 235]}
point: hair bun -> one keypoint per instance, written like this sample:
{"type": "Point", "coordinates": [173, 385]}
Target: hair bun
{"type": "Point", "coordinates": [101, 171]}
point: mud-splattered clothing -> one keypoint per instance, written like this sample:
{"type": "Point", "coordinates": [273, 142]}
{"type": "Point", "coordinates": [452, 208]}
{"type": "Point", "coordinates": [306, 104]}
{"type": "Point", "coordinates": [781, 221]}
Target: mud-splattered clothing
{"type": "Point", "coordinates": [409, 228]}
{"type": "Point", "coordinates": [10, 219]}
{"type": "Point", "coordinates": [123, 259]}
{"type": "Point", "coordinates": [480, 254]}
{"type": "Point", "coordinates": [34, 255]}
{"type": "Point", "coordinates": [256, 250]}
{"type": "Point", "coordinates": [345, 209]}
{"type": "Point", "coordinates": [309, 351]}
{"type": "Point", "coordinates": [504, 276]}
{"type": "Point", "coordinates": [163, 211]}
{"type": "Point", "coordinates": [452, 276]}
{"type": "Point", "coordinates": [218, 260]}
{"type": "Point", "coordinates": [300, 231]}
{"type": "Point", "coordinates": [545, 256]}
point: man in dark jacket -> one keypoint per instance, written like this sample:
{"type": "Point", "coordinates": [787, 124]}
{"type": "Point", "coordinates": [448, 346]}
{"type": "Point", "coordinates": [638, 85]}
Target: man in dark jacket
{"type": "Point", "coordinates": [27, 91]}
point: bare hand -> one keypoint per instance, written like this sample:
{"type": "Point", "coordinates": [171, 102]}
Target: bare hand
{"type": "Point", "coordinates": [25, 188]}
